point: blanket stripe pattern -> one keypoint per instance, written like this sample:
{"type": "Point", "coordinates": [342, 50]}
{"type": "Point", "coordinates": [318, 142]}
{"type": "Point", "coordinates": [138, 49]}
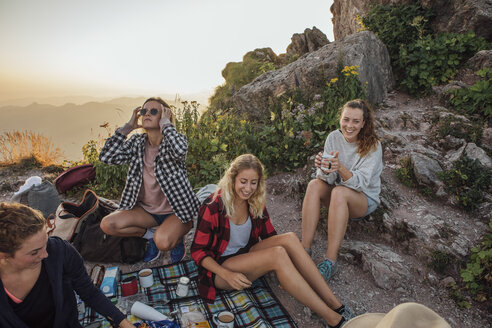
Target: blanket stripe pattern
{"type": "Point", "coordinates": [255, 307]}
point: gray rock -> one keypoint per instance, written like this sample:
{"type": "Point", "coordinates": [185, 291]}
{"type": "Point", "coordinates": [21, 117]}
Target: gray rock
{"type": "Point", "coordinates": [309, 41]}
{"type": "Point", "coordinates": [451, 16]}
{"type": "Point", "coordinates": [362, 49]}
{"type": "Point", "coordinates": [475, 152]}
{"type": "Point", "coordinates": [425, 169]}
{"type": "Point", "coordinates": [448, 281]}
{"type": "Point", "coordinates": [386, 267]}
{"type": "Point", "coordinates": [487, 139]}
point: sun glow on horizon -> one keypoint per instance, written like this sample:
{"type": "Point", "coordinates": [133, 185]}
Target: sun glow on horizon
{"type": "Point", "coordinates": [114, 48]}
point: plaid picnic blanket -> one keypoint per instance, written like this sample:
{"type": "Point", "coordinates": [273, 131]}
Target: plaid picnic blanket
{"type": "Point", "coordinates": [253, 307]}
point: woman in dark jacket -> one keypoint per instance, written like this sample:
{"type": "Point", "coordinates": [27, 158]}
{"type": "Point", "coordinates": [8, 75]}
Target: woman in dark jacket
{"type": "Point", "coordinates": [38, 275]}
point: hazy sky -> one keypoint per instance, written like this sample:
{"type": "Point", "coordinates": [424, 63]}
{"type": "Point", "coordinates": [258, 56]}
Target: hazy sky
{"type": "Point", "coordinates": [122, 47]}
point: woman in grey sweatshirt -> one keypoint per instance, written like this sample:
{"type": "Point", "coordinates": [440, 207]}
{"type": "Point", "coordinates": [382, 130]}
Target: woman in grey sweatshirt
{"type": "Point", "coordinates": [347, 180]}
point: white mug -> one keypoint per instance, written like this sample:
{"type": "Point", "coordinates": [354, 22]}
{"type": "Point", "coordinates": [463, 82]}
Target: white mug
{"type": "Point", "coordinates": [224, 319]}
{"type": "Point", "coordinates": [146, 278]}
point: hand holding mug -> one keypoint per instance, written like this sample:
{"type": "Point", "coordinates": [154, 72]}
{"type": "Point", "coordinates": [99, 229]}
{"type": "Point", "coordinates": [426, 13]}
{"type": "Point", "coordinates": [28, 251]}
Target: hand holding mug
{"type": "Point", "coordinates": [329, 163]}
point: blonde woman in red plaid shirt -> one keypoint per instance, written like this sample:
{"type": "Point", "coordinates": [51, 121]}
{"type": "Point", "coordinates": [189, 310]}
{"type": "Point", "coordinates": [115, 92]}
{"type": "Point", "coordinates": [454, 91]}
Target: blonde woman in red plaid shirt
{"type": "Point", "coordinates": [236, 243]}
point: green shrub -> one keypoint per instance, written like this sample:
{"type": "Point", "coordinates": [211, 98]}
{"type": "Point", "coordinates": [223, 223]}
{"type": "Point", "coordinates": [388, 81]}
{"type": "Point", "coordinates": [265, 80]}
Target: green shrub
{"type": "Point", "coordinates": [467, 180]}
{"type": "Point", "coordinates": [405, 173]}
{"type": "Point", "coordinates": [419, 59]}
{"type": "Point", "coordinates": [397, 26]}
{"type": "Point", "coordinates": [476, 99]}
{"type": "Point", "coordinates": [238, 74]}
{"type": "Point", "coordinates": [477, 274]}
{"type": "Point", "coordinates": [454, 126]}
{"type": "Point", "coordinates": [434, 60]}
{"type": "Point", "coordinates": [440, 261]}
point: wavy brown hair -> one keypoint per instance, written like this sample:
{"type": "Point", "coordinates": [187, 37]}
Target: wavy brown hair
{"type": "Point", "coordinates": [17, 223]}
{"type": "Point", "coordinates": [367, 138]}
{"type": "Point", "coordinates": [257, 200]}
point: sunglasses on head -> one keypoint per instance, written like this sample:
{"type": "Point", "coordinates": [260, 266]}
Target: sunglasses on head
{"type": "Point", "coordinates": [152, 111]}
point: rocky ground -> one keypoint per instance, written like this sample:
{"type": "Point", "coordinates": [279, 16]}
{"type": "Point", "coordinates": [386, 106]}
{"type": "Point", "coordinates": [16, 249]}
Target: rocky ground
{"type": "Point", "coordinates": [386, 260]}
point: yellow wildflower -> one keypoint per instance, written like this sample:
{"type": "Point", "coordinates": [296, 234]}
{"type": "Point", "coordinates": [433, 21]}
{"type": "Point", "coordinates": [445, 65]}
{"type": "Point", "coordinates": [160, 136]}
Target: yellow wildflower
{"type": "Point", "coordinates": [334, 80]}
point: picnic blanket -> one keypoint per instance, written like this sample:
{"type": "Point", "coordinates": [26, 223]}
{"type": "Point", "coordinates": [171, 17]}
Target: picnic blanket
{"type": "Point", "coordinates": [253, 307]}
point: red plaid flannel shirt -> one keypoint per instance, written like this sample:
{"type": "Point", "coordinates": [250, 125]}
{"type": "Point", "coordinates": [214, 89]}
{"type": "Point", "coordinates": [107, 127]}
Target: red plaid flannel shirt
{"type": "Point", "coordinates": [212, 237]}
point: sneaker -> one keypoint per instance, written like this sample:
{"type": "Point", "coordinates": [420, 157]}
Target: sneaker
{"type": "Point", "coordinates": [346, 312]}
{"type": "Point", "coordinates": [178, 252]}
{"type": "Point", "coordinates": [152, 253]}
{"type": "Point", "coordinates": [327, 269]}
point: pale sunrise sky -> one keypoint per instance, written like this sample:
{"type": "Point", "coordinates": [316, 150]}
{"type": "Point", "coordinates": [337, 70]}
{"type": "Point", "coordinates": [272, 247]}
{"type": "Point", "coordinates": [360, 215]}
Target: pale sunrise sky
{"type": "Point", "coordinates": [111, 48]}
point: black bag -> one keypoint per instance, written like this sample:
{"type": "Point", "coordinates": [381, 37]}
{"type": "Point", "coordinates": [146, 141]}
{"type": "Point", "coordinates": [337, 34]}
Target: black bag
{"type": "Point", "coordinates": [94, 245]}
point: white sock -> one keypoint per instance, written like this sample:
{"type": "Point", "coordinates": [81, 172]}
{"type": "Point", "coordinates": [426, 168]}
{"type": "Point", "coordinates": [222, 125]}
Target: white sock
{"type": "Point", "coordinates": [149, 234]}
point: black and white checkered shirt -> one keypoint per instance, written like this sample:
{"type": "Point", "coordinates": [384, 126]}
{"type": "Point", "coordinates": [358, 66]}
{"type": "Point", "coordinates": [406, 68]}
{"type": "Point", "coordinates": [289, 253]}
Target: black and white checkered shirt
{"type": "Point", "coordinates": [169, 169]}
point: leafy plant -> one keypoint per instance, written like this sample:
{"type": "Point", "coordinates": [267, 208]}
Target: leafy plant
{"type": "Point", "coordinates": [477, 274]}
{"type": "Point", "coordinates": [457, 127]}
{"type": "Point", "coordinates": [476, 99]}
{"type": "Point", "coordinates": [405, 173]}
{"type": "Point", "coordinates": [440, 261]}
{"type": "Point", "coordinates": [467, 180]}
{"type": "Point", "coordinates": [433, 60]}
{"type": "Point", "coordinates": [418, 58]}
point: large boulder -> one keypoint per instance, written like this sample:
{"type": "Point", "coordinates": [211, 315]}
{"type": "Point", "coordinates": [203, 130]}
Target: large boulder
{"type": "Point", "coordinates": [311, 70]}
{"type": "Point", "coordinates": [451, 16]}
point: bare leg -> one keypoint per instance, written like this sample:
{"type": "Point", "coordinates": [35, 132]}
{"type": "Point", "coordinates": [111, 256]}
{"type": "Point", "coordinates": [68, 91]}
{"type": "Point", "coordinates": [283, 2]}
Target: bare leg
{"type": "Point", "coordinates": [256, 264]}
{"type": "Point", "coordinates": [318, 193]}
{"type": "Point", "coordinates": [303, 263]}
{"type": "Point", "coordinates": [128, 223]}
{"type": "Point", "coordinates": [344, 203]}
{"type": "Point", "coordinates": [169, 233]}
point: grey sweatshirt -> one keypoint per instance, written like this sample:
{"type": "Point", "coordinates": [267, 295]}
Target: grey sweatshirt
{"type": "Point", "coordinates": [366, 170]}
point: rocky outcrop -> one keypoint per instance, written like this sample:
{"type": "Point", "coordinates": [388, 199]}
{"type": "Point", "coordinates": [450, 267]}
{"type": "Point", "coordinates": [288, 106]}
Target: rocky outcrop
{"type": "Point", "coordinates": [451, 16]}
{"type": "Point", "coordinates": [310, 71]}
{"type": "Point", "coordinates": [345, 12]}
{"type": "Point", "coordinates": [461, 16]}
{"type": "Point", "coordinates": [309, 41]}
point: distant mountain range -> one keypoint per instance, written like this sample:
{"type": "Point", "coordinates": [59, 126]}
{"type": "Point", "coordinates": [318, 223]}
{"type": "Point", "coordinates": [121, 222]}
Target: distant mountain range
{"type": "Point", "coordinates": [72, 125]}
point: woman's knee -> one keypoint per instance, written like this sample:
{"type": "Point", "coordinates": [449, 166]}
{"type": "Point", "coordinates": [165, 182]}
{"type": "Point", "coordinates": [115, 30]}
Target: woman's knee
{"type": "Point", "coordinates": [164, 242]}
{"type": "Point", "coordinates": [108, 225]}
{"type": "Point", "coordinates": [288, 239]}
{"type": "Point", "coordinates": [339, 194]}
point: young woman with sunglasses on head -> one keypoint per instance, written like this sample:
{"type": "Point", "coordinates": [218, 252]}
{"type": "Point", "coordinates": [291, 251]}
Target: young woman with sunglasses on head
{"type": "Point", "coordinates": [38, 276]}
{"type": "Point", "coordinates": [157, 192]}
{"type": "Point", "coordinates": [236, 243]}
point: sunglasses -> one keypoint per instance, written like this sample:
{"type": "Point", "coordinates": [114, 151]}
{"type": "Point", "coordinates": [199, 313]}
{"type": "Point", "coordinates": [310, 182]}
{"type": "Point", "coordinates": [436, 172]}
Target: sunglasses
{"type": "Point", "coordinates": [152, 111]}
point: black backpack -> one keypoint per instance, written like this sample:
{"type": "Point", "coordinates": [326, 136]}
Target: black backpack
{"type": "Point", "coordinates": [94, 245]}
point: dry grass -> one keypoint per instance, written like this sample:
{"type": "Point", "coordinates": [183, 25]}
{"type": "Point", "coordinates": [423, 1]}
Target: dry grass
{"type": "Point", "coordinates": [16, 146]}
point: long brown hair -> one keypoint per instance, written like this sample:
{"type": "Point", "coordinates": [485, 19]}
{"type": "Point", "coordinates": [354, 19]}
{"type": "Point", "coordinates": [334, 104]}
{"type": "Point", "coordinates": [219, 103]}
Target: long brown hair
{"type": "Point", "coordinates": [257, 200]}
{"type": "Point", "coordinates": [367, 138]}
{"type": "Point", "coordinates": [18, 222]}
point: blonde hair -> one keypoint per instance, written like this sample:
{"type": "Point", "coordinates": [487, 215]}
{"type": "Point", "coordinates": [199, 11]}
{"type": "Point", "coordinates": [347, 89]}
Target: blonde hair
{"type": "Point", "coordinates": [367, 138]}
{"type": "Point", "coordinates": [18, 222]}
{"type": "Point", "coordinates": [257, 200]}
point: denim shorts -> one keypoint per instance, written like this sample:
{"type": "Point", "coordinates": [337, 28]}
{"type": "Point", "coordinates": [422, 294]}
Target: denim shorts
{"type": "Point", "coordinates": [159, 218]}
{"type": "Point", "coordinates": [371, 207]}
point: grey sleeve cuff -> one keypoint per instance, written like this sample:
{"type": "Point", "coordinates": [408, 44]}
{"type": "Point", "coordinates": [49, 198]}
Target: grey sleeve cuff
{"type": "Point", "coordinates": [125, 129]}
{"type": "Point", "coordinates": [164, 122]}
